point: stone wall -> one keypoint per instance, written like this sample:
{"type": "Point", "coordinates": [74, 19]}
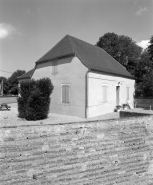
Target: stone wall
{"type": "Point", "coordinates": [126, 114]}
{"type": "Point", "coordinates": [144, 103]}
{"type": "Point", "coordinates": [92, 153]}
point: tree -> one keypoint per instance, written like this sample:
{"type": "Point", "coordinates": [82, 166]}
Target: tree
{"type": "Point", "coordinates": [138, 63]}
{"type": "Point", "coordinates": [13, 81]}
{"type": "Point", "coordinates": [121, 48]}
{"type": "Point", "coordinates": [145, 87]}
{"type": "Point", "coordinates": [143, 67]}
{"type": "Point", "coordinates": [148, 85]}
{"type": "Point", "coordinates": [144, 76]}
{"type": "Point", "coordinates": [110, 43]}
{"type": "Point", "coordinates": [150, 49]}
{"type": "Point", "coordinates": [5, 85]}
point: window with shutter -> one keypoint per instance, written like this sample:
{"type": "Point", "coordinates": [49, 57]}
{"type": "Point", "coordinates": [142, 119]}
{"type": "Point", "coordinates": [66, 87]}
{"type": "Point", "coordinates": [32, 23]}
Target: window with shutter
{"type": "Point", "coordinates": [104, 93]}
{"type": "Point", "coordinates": [65, 93]}
{"type": "Point", "coordinates": [54, 67]}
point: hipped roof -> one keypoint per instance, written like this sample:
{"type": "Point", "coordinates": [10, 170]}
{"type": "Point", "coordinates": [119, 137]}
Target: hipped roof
{"type": "Point", "coordinates": [91, 56]}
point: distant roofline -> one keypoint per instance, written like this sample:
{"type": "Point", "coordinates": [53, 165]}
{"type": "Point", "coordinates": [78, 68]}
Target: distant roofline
{"type": "Point", "coordinates": [30, 73]}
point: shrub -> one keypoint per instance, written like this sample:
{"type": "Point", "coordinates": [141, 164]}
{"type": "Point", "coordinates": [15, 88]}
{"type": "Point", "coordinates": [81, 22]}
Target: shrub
{"type": "Point", "coordinates": [35, 104]}
{"type": "Point", "coordinates": [22, 100]}
{"type": "Point", "coordinates": [21, 108]}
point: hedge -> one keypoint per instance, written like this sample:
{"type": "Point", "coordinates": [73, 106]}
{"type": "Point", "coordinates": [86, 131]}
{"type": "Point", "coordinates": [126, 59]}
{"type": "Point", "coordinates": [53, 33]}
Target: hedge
{"type": "Point", "coordinates": [33, 104]}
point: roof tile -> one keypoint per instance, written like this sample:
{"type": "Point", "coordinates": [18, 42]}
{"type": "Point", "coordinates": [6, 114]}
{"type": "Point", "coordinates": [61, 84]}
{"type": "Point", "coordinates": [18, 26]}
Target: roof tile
{"type": "Point", "coordinates": [91, 56]}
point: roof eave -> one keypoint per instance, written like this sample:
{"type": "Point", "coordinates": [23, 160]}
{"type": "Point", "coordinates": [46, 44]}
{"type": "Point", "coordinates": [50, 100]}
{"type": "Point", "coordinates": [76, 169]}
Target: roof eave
{"type": "Point", "coordinates": [56, 58]}
{"type": "Point", "coordinates": [23, 78]}
{"type": "Point", "coordinates": [109, 73]}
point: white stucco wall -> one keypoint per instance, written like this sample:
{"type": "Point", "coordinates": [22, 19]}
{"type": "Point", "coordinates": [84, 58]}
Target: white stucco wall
{"type": "Point", "coordinates": [95, 81]}
{"type": "Point", "coordinates": [70, 71]}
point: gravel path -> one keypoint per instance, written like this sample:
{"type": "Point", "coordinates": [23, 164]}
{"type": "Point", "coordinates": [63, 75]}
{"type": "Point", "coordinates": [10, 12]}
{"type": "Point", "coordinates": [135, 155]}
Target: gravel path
{"type": "Point", "coordinates": [10, 118]}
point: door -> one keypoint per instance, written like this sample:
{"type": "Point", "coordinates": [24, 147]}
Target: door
{"type": "Point", "coordinates": [117, 95]}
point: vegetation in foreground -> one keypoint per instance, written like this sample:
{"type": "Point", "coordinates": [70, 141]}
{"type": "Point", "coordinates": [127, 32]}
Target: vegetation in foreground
{"type": "Point", "coordinates": [34, 100]}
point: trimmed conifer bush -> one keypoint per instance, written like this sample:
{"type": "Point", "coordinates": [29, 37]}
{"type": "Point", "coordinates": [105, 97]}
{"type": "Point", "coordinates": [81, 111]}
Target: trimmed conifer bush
{"type": "Point", "coordinates": [21, 108]}
{"type": "Point", "coordinates": [22, 100]}
{"type": "Point", "coordinates": [37, 101]}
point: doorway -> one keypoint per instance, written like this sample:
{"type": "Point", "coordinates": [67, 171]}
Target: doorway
{"type": "Point", "coordinates": [117, 95]}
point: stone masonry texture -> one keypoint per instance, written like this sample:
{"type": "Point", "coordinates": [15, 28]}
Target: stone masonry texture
{"type": "Point", "coordinates": [116, 152]}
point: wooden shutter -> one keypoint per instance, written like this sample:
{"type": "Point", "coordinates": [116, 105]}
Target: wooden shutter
{"type": "Point", "coordinates": [65, 94]}
{"type": "Point", "coordinates": [54, 67]}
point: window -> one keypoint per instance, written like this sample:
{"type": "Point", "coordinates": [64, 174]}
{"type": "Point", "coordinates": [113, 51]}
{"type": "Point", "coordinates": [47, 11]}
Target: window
{"type": "Point", "coordinates": [54, 67]}
{"type": "Point", "coordinates": [104, 93]}
{"type": "Point", "coordinates": [65, 93]}
{"type": "Point", "coordinates": [127, 93]}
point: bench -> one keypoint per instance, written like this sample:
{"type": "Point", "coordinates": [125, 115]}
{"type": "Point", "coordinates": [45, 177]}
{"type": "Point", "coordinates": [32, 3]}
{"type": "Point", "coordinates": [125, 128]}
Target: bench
{"type": "Point", "coordinates": [5, 106]}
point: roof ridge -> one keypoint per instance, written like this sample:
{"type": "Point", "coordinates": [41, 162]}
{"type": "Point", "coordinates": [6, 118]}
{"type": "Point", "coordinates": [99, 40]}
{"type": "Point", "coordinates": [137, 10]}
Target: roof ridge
{"type": "Point", "coordinates": [80, 40]}
{"type": "Point", "coordinates": [55, 47]}
{"type": "Point", "coordinates": [93, 57]}
{"type": "Point", "coordinates": [69, 38]}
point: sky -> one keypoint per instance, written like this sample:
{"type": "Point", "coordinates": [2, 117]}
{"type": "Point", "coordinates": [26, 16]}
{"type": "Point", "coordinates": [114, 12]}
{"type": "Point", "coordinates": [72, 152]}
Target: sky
{"type": "Point", "coordinates": [30, 28]}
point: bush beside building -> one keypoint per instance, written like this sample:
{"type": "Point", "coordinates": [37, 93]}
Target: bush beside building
{"type": "Point", "coordinates": [34, 100]}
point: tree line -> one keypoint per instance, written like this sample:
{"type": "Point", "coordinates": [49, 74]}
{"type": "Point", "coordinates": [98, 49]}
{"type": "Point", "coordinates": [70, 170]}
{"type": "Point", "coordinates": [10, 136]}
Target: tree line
{"type": "Point", "coordinates": [137, 61]}
{"type": "Point", "coordinates": [10, 85]}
